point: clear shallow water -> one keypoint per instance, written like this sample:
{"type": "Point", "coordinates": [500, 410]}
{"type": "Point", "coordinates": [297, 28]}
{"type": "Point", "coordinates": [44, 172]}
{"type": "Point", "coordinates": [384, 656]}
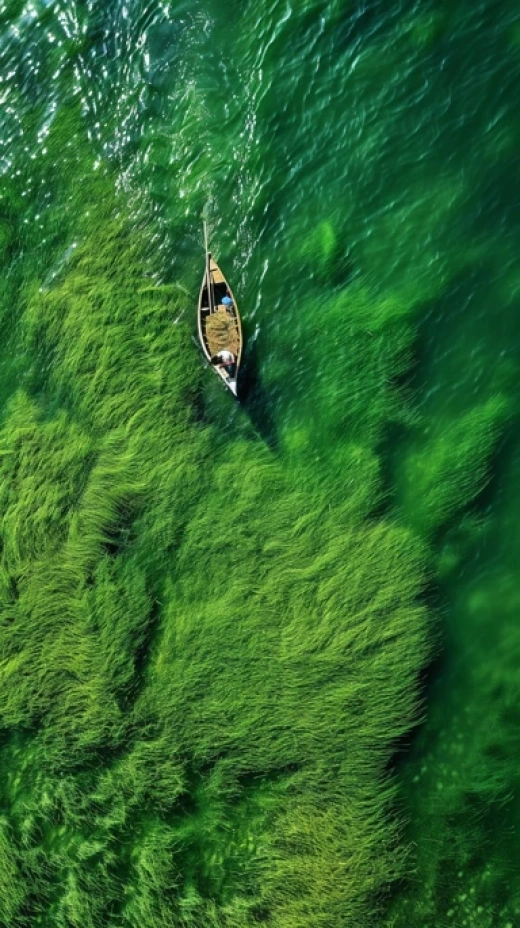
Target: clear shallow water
{"type": "Point", "coordinates": [388, 139]}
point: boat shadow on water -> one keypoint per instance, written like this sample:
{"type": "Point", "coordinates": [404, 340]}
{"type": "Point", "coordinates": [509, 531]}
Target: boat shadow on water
{"type": "Point", "coordinates": [254, 398]}
{"type": "Point", "coordinates": [251, 414]}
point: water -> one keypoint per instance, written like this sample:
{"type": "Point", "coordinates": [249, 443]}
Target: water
{"type": "Point", "coordinates": [333, 145]}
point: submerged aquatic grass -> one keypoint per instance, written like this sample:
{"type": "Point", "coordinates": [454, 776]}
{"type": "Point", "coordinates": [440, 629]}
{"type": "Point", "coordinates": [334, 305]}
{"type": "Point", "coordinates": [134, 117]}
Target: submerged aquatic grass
{"type": "Point", "coordinates": [208, 650]}
{"type": "Point", "coordinates": [209, 647]}
{"type": "Point", "coordinates": [205, 663]}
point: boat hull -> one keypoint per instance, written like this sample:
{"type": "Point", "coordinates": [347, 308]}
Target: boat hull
{"type": "Point", "coordinates": [219, 325]}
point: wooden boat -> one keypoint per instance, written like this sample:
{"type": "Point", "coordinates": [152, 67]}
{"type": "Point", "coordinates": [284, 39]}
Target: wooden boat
{"type": "Point", "coordinates": [220, 329]}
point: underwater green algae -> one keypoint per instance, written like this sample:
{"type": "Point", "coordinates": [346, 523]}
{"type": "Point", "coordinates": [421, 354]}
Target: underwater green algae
{"type": "Point", "coordinates": [210, 649]}
{"type": "Point", "coordinates": [199, 692]}
{"type": "Point", "coordinates": [465, 780]}
{"type": "Point", "coordinates": [451, 467]}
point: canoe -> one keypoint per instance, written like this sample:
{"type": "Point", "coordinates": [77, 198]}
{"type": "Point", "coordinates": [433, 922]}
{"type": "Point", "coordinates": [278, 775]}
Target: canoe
{"type": "Point", "coordinates": [218, 320]}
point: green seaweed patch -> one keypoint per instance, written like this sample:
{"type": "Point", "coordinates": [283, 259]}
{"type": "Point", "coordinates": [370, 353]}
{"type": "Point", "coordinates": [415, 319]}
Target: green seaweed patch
{"type": "Point", "coordinates": [466, 778]}
{"type": "Point", "coordinates": [43, 473]}
{"type": "Point", "coordinates": [446, 471]}
{"type": "Point", "coordinates": [459, 542]}
{"type": "Point", "coordinates": [12, 888]}
{"type": "Point", "coordinates": [6, 238]}
{"type": "Point", "coordinates": [259, 675]}
{"type": "Point", "coordinates": [427, 29]}
{"type": "Point", "coordinates": [347, 364]}
{"type": "Point", "coordinates": [206, 649]}
{"type": "Point", "coordinates": [325, 257]}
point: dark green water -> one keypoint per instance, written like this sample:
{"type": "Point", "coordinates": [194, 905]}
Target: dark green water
{"type": "Point", "coordinates": [351, 147]}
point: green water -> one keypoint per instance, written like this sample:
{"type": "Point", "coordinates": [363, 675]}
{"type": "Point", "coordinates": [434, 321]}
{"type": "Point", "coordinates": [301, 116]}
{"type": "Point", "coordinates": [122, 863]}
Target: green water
{"type": "Point", "coordinates": [220, 623]}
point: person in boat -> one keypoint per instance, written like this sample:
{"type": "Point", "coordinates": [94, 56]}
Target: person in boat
{"type": "Point", "coordinates": [227, 301]}
{"type": "Point", "coordinates": [225, 359]}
